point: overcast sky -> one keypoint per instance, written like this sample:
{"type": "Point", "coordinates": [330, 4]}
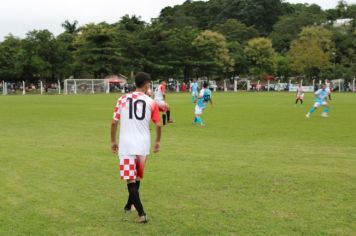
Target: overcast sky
{"type": "Point", "coordinates": [20, 16]}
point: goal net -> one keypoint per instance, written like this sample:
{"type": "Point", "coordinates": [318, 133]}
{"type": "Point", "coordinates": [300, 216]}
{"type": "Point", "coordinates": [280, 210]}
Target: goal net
{"type": "Point", "coordinates": [85, 86]}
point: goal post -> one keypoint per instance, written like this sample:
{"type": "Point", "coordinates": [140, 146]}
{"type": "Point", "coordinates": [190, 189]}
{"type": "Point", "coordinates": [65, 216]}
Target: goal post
{"type": "Point", "coordinates": [86, 86]}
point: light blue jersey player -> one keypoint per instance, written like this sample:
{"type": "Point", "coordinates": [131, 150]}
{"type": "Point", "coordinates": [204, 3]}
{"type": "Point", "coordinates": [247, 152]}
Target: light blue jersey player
{"type": "Point", "coordinates": [320, 100]}
{"type": "Point", "coordinates": [195, 90]}
{"type": "Point", "coordinates": [201, 103]}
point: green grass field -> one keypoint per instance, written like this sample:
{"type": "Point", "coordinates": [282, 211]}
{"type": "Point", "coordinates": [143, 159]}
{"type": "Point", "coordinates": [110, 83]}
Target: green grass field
{"type": "Point", "coordinates": [259, 167]}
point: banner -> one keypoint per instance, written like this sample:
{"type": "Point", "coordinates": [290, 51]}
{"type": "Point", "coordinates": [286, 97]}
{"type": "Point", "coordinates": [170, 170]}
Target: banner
{"type": "Point", "coordinates": [293, 88]}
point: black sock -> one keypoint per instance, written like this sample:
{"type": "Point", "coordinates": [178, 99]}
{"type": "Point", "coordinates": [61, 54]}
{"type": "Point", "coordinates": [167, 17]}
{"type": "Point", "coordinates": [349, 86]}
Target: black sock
{"type": "Point", "coordinates": [135, 198]}
{"type": "Point", "coordinates": [301, 101]}
{"type": "Point", "coordinates": [164, 119]}
{"type": "Point", "coordinates": [169, 115]}
{"type": "Point", "coordinates": [129, 201]}
{"type": "Point", "coordinates": [296, 101]}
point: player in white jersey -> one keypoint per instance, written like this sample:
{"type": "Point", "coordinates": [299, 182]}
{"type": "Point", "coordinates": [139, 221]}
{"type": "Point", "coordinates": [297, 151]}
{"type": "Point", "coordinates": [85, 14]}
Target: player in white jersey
{"type": "Point", "coordinates": [328, 89]}
{"type": "Point", "coordinates": [135, 111]}
{"type": "Point", "coordinates": [160, 98]}
{"type": "Point", "coordinates": [300, 94]}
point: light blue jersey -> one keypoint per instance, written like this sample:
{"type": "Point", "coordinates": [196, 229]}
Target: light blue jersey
{"type": "Point", "coordinates": [205, 95]}
{"type": "Point", "coordinates": [320, 95]}
{"type": "Point", "coordinates": [194, 87]}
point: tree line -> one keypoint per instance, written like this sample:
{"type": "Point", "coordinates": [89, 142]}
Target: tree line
{"type": "Point", "coordinates": [216, 39]}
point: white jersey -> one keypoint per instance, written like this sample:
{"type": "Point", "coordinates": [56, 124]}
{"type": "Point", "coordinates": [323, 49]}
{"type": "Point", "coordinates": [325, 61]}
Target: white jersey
{"type": "Point", "coordinates": [300, 91]}
{"type": "Point", "coordinates": [159, 92]}
{"type": "Point", "coordinates": [135, 112]}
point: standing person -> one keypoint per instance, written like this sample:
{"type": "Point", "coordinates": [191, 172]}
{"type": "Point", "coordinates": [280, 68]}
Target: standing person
{"type": "Point", "coordinates": [194, 88]}
{"type": "Point", "coordinates": [201, 103]}
{"type": "Point", "coordinates": [320, 100]}
{"type": "Point", "coordinates": [328, 89]}
{"type": "Point", "coordinates": [160, 98]}
{"type": "Point", "coordinates": [300, 94]}
{"type": "Point", "coordinates": [135, 111]}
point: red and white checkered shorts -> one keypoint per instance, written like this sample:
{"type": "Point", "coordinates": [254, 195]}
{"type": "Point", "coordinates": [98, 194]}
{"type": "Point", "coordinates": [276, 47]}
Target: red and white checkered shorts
{"type": "Point", "coordinates": [132, 167]}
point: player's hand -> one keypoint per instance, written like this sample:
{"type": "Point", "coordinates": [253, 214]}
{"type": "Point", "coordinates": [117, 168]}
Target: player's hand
{"type": "Point", "coordinates": [114, 148]}
{"type": "Point", "coordinates": [157, 147]}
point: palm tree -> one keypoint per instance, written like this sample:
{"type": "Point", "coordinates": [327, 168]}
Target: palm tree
{"type": "Point", "coordinates": [71, 28]}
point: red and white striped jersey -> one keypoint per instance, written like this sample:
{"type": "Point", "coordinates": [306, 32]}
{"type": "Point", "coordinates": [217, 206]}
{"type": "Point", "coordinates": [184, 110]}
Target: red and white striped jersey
{"type": "Point", "coordinates": [135, 112]}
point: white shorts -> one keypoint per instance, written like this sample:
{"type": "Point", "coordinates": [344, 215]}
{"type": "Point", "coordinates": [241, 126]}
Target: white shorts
{"type": "Point", "coordinates": [301, 96]}
{"type": "Point", "coordinates": [162, 105]}
{"type": "Point", "coordinates": [132, 167]}
{"type": "Point", "coordinates": [318, 104]}
{"type": "Point", "coordinates": [198, 110]}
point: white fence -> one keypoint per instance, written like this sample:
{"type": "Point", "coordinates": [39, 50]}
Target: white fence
{"type": "Point", "coordinates": [93, 86]}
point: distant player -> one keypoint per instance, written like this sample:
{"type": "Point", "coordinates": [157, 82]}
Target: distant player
{"type": "Point", "coordinates": [194, 88]}
{"type": "Point", "coordinates": [201, 103]}
{"type": "Point", "coordinates": [135, 111]}
{"type": "Point", "coordinates": [160, 98]}
{"type": "Point", "coordinates": [320, 100]}
{"type": "Point", "coordinates": [328, 89]}
{"type": "Point", "coordinates": [300, 94]}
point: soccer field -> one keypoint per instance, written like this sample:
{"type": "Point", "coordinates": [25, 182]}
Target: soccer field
{"type": "Point", "coordinates": [258, 167]}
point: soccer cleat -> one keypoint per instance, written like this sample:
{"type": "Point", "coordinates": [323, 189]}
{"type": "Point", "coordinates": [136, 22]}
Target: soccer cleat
{"type": "Point", "coordinates": [142, 219]}
{"type": "Point", "coordinates": [324, 114]}
{"type": "Point", "coordinates": [170, 121]}
{"type": "Point", "coordinates": [307, 115]}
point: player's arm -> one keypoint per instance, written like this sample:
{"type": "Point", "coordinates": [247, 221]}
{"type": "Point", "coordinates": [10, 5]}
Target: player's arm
{"type": "Point", "coordinates": [156, 119]}
{"type": "Point", "coordinates": [114, 146]}
{"type": "Point", "coordinates": [114, 124]}
{"type": "Point", "coordinates": [158, 138]}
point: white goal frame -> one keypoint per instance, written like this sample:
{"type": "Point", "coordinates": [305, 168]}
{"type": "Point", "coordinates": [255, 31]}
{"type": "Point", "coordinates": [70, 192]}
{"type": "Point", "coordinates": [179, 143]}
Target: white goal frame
{"type": "Point", "coordinates": [86, 86]}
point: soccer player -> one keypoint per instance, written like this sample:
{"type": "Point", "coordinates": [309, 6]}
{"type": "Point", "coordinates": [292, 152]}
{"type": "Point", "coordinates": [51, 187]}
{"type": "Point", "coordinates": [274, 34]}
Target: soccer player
{"type": "Point", "coordinates": [328, 89]}
{"type": "Point", "coordinates": [194, 89]}
{"type": "Point", "coordinates": [201, 103]}
{"type": "Point", "coordinates": [160, 98]}
{"type": "Point", "coordinates": [135, 111]}
{"type": "Point", "coordinates": [320, 100]}
{"type": "Point", "coordinates": [300, 94]}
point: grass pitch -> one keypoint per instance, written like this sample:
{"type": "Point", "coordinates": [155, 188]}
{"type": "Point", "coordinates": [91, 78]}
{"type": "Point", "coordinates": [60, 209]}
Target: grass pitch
{"type": "Point", "coordinates": [259, 167]}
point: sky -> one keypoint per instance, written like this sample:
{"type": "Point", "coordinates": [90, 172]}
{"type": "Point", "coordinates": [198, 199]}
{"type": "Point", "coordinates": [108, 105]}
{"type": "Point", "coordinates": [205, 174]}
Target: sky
{"type": "Point", "coordinates": [20, 16]}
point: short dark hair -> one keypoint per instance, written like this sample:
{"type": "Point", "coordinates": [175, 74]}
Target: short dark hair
{"type": "Point", "coordinates": [141, 79]}
{"type": "Point", "coordinates": [205, 84]}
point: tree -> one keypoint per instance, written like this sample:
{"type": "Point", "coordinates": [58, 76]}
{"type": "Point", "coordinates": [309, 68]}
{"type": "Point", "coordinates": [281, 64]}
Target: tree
{"type": "Point", "coordinates": [40, 55]}
{"type": "Point", "coordinates": [97, 52]}
{"type": "Point", "coordinates": [261, 14]}
{"type": "Point", "coordinates": [289, 26]}
{"type": "Point", "coordinates": [282, 67]}
{"type": "Point", "coordinates": [10, 58]}
{"type": "Point", "coordinates": [311, 52]}
{"type": "Point", "coordinates": [212, 53]}
{"type": "Point", "coordinates": [237, 53]}
{"type": "Point", "coordinates": [234, 30]}
{"type": "Point", "coordinates": [71, 28]}
{"type": "Point", "coordinates": [261, 56]}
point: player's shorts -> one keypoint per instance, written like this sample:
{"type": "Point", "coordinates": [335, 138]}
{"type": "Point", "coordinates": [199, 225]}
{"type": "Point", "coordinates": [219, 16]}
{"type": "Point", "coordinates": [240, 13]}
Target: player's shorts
{"type": "Point", "coordinates": [199, 110]}
{"type": "Point", "coordinates": [132, 167]}
{"type": "Point", "coordinates": [162, 105]}
{"type": "Point", "coordinates": [321, 103]}
{"type": "Point", "coordinates": [301, 96]}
